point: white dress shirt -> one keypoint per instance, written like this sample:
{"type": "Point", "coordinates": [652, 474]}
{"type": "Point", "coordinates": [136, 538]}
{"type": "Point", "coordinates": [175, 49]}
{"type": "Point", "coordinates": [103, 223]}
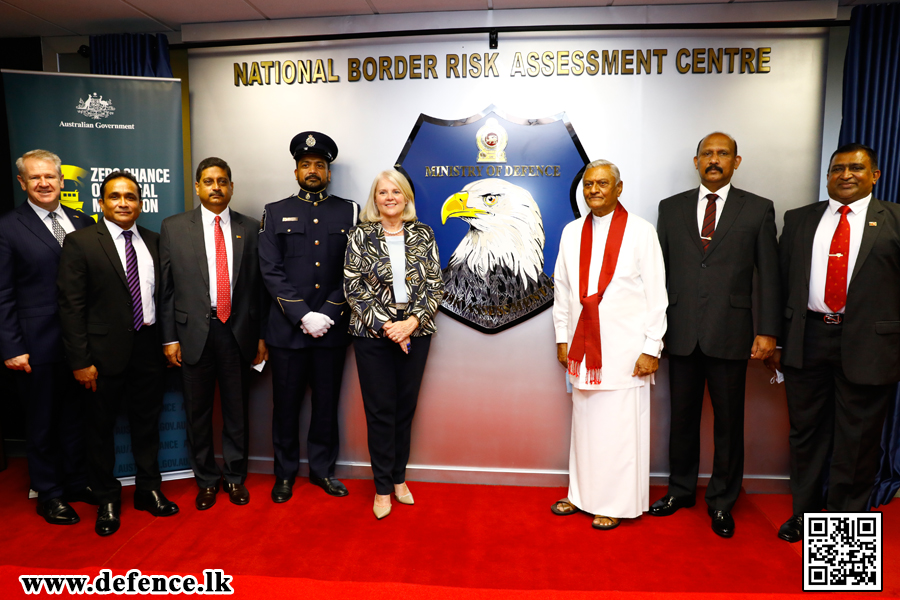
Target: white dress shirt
{"type": "Point", "coordinates": [61, 217]}
{"type": "Point", "coordinates": [209, 241]}
{"type": "Point", "coordinates": [818, 271]}
{"type": "Point", "coordinates": [720, 203]}
{"type": "Point", "coordinates": [145, 266]}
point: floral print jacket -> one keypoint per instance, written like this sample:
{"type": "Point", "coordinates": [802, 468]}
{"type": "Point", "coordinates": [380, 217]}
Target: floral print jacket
{"type": "Point", "coordinates": [369, 280]}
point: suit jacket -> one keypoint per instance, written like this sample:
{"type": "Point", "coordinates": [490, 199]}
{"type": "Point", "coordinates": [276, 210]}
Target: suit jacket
{"type": "Point", "coordinates": [29, 261]}
{"type": "Point", "coordinates": [369, 279]}
{"type": "Point", "coordinates": [184, 306]}
{"type": "Point", "coordinates": [710, 294]}
{"type": "Point", "coordinates": [870, 334]}
{"type": "Point", "coordinates": [94, 301]}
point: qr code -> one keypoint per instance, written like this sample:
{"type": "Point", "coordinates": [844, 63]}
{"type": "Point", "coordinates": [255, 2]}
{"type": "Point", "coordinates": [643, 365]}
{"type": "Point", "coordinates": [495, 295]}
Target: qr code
{"type": "Point", "coordinates": [842, 552]}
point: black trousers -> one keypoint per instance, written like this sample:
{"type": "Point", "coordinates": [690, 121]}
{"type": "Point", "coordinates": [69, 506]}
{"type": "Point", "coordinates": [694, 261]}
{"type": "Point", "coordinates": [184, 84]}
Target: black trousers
{"type": "Point", "coordinates": [138, 390]}
{"type": "Point", "coordinates": [832, 419]}
{"type": "Point", "coordinates": [220, 361]}
{"type": "Point", "coordinates": [54, 438]}
{"type": "Point", "coordinates": [726, 380]}
{"type": "Point", "coordinates": [390, 380]}
{"type": "Point", "coordinates": [292, 370]}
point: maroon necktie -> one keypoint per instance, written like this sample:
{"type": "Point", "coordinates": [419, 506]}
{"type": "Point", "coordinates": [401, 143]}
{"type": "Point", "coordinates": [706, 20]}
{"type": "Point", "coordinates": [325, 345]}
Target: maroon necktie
{"type": "Point", "coordinates": [709, 221]}
{"type": "Point", "coordinates": [838, 260]}
{"type": "Point", "coordinates": [223, 283]}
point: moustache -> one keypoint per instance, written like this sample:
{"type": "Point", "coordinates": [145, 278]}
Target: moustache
{"type": "Point", "coordinates": [714, 168]}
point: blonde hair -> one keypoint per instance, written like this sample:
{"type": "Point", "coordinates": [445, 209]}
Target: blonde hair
{"type": "Point", "coordinates": [370, 212]}
{"type": "Point", "coordinates": [39, 155]}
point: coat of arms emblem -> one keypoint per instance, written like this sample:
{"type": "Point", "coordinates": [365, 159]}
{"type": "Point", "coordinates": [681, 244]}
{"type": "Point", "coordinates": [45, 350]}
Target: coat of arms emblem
{"type": "Point", "coordinates": [95, 107]}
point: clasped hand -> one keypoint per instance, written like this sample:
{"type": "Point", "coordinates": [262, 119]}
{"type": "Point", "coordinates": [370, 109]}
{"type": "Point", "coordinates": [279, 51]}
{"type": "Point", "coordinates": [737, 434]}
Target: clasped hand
{"type": "Point", "coordinates": [315, 324]}
{"type": "Point", "coordinates": [401, 331]}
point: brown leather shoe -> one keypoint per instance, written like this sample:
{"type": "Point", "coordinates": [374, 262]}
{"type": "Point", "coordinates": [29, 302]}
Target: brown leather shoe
{"type": "Point", "coordinates": [206, 497]}
{"type": "Point", "coordinates": [237, 493]}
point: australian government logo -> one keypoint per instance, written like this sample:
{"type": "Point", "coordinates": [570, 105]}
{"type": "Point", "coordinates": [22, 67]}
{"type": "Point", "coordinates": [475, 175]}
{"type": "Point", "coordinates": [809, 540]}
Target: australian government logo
{"type": "Point", "coordinates": [96, 108]}
{"type": "Point", "coordinates": [497, 191]}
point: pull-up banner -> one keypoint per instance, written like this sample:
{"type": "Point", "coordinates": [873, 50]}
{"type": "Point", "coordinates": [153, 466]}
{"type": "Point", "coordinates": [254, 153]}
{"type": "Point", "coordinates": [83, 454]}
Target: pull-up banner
{"type": "Point", "coordinates": [98, 124]}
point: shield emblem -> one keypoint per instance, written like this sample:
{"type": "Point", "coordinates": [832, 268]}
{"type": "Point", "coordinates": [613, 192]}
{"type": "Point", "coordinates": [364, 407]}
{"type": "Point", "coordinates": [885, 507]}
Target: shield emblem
{"type": "Point", "coordinates": [497, 190]}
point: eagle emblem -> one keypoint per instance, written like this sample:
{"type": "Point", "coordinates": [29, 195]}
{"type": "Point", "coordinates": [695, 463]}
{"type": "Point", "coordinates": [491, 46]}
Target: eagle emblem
{"type": "Point", "coordinates": [497, 207]}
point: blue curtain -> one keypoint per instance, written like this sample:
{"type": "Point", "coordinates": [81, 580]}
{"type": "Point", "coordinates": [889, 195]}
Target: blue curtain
{"type": "Point", "coordinates": [871, 116]}
{"type": "Point", "coordinates": [139, 54]}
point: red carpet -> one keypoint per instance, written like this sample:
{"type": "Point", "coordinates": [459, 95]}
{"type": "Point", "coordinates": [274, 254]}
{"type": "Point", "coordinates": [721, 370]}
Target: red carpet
{"type": "Point", "coordinates": [459, 541]}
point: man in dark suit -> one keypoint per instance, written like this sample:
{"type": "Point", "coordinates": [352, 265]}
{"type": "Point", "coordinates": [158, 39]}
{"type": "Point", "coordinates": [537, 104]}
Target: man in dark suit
{"type": "Point", "coordinates": [31, 238]}
{"type": "Point", "coordinates": [712, 238]}
{"type": "Point", "coordinates": [840, 267]}
{"type": "Point", "coordinates": [301, 254]}
{"type": "Point", "coordinates": [211, 311]}
{"type": "Point", "coordinates": [108, 286]}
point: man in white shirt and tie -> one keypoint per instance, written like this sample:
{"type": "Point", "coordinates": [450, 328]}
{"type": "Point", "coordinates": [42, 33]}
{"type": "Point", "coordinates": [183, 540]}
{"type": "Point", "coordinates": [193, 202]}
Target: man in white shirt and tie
{"type": "Point", "coordinates": [212, 310]}
{"type": "Point", "coordinates": [840, 261]}
{"type": "Point", "coordinates": [108, 284]}
{"type": "Point", "coordinates": [31, 239]}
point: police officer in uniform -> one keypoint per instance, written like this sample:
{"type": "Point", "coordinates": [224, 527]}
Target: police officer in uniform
{"type": "Point", "coordinates": [301, 254]}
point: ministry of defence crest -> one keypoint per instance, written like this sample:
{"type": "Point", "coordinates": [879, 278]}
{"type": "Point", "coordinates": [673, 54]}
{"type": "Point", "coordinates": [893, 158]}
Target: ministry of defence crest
{"type": "Point", "coordinates": [497, 191]}
{"type": "Point", "coordinates": [95, 107]}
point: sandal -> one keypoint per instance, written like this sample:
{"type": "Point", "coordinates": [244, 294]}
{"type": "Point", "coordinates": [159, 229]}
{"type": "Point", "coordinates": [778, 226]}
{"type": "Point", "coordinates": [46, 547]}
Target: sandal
{"type": "Point", "coordinates": [563, 507]}
{"type": "Point", "coordinates": [598, 523]}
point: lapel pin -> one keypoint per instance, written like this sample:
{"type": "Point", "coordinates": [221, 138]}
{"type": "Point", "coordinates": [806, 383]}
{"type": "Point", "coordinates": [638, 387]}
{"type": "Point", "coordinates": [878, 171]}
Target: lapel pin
{"type": "Point", "coordinates": [873, 224]}
{"type": "Point", "coordinates": [238, 237]}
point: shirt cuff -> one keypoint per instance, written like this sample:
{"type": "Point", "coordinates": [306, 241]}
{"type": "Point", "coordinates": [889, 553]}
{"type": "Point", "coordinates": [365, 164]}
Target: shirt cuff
{"type": "Point", "coordinates": [653, 347]}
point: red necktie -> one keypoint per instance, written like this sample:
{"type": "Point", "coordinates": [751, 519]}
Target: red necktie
{"type": "Point", "coordinates": [838, 260]}
{"type": "Point", "coordinates": [709, 221]}
{"type": "Point", "coordinates": [223, 284]}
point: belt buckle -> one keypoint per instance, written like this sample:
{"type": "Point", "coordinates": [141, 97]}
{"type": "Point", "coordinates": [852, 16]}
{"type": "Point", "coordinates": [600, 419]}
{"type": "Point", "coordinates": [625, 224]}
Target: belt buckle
{"type": "Point", "coordinates": [833, 318]}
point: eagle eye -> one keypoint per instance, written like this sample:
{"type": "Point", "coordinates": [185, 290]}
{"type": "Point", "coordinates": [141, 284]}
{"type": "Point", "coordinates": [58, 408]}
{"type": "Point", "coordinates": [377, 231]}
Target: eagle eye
{"type": "Point", "coordinates": [490, 199]}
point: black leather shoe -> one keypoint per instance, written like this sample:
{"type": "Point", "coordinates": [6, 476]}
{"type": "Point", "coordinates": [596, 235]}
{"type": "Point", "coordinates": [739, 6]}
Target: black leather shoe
{"type": "Point", "coordinates": [108, 518]}
{"type": "Point", "coordinates": [86, 495]}
{"type": "Point", "coordinates": [332, 486]}
{"type": "Point", "coordinates": [206, 497]}
{"type": "Point", "coordinates": [57, 511]}
{"type": "Point", "coordinates": [155, 503]}
{"type": "Point", "coordinates": [668, 504]}
{"type": "Point", "coordinates": [237, 493]}
{"type": "Point", "coordinates": [792, 530]}
{"type": "Point", "coordinates": [722, 523]}
{"type": "Point", "coordinates": [282, 490]}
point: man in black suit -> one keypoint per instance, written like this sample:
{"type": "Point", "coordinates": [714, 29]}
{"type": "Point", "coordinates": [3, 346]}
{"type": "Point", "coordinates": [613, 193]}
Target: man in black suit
{"type": "Point", "coordinates": [712, 238]}
{"type": "Point", "coordinates": [211, 311]}
{"type": "Point", "coordinates": [108, 286]}
{"type": "Point", "coordinates": [840, 267]}
{"type": "Point", "coordinates": [31, 238]}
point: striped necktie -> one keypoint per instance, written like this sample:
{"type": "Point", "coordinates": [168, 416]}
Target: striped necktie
{"type": "Point", "coordinates": [134, 280]}
{"type": "Point", "coordinates": [709, 221]}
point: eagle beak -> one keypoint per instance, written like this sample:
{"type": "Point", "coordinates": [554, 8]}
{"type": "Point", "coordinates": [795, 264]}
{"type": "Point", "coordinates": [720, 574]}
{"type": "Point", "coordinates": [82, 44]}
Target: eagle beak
{"type": "Point", "coordinates": [455, 206]}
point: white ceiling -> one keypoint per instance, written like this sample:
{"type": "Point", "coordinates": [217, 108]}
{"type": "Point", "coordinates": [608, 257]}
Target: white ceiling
{"type": "Point", "coordinates": [47, 18]}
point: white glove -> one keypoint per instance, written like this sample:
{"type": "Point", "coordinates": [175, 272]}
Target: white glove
{"type": "Point", "coordinates": [315, 324]}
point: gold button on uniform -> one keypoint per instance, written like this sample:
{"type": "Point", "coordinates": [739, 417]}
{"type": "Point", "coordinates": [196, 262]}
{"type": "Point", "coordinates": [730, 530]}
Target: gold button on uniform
{"type": "Point", "coordinates": [315, 203]}
{"type": "Point", "coordinates": [317, 286]}
{"type": "Point", "coordinates": [318, 264]}
{"type": "Point", "coordinates": [317, 242]}
{"type": "Point", "coordinates": [315, 221]}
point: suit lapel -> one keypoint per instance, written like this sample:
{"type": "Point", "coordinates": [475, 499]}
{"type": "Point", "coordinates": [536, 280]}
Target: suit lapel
{"type": "Point", "coordinates": [237, 246]}
{"type": "Point", "coordinates": [33, 223]}
{"type": "Point", "coordinates": [199, 246]}
{"type": "Point", "coordinates": [875, 214]}
{"type": "Point", "coordinates": [109, 246]}
{"type": "Point", "coordinates": [78, 219]}
{"type": "Point", "coordinates": [808, 233]}
{"type": "Point", "coordinates": [732, 208]}
{"type": "Point", "coordinates": [689, 212]}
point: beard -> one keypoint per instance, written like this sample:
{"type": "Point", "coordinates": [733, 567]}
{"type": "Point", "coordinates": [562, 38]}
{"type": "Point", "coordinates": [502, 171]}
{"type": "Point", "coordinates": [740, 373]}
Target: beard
{"type": "Point", "coordinates": [312, 185]}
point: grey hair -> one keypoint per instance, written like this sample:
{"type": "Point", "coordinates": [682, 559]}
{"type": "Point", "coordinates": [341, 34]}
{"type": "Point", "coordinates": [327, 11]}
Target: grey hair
{"type": "Point", "coordinates": [39, 155]}
{"type": "Point", "coordinates": [602, 163]}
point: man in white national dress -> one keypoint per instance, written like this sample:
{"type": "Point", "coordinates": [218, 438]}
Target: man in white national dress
{"type": "Point", "coordinates": [609, 313]}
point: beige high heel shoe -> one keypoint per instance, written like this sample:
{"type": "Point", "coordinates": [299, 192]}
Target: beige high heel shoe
{"type": "Point", "coordinates": [381, 511]}
{"type": "Point", "coordinates": [406, 498]}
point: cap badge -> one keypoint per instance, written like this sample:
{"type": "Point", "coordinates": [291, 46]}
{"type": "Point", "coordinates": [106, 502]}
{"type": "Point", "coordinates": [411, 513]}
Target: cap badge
{"type": "Point", "coordinates": [310, 140]}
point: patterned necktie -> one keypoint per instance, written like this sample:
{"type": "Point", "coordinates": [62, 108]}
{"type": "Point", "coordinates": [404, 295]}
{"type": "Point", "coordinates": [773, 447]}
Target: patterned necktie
{"type": "Point", "coordinates": [134, 280]}
{"type": "Point", "coordinates": [838, 260]}
{"type": "Point", "coordinates": [223, 283]}
{"type": "Point", "coordinates": [58, 232]}
{"type": "Point", "coordinates": [709, 221]}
